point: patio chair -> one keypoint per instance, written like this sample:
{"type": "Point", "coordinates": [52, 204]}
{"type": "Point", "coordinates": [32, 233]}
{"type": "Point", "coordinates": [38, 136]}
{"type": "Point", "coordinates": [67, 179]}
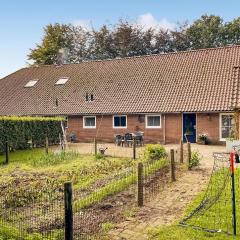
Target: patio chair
{"type": "Point", "coordinates": [128, 139]}
{"type": "Point", "coordinates": [139, 138]}
{"type": "Point", "coordinates": [119, 140]}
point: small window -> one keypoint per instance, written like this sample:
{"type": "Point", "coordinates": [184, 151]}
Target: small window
{"type": "Point", "coordinates": [31, 83]}
{"type": "Point", "coordinates": [120, 121]}
{"type": "Point", "coordinates": [89, 122]}
{"type": "Point", "coordinates": [153, 121]}
{"type": "Point", "coordinates": [62, 81]}
{"type": "Point", "coordinates": [226, 126]}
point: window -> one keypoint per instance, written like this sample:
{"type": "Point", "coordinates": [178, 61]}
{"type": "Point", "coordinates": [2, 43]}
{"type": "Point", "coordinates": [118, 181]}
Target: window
{"type": "Point", "coordinates": [31, 83]}
{"type": "Point", "coordinates": [226, 126]}
{"type": "Point", "coordinates": [120, 121]}
{"type": "Point", "coordinates": [153, 121]}
{"type": "Point", "coordinates": [89, 122]}
{"type": "Point", "coordinates": [62, 81]}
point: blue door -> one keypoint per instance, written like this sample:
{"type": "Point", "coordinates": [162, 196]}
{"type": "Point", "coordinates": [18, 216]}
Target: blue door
{"type": "Point", "coordinates": [189, 127]}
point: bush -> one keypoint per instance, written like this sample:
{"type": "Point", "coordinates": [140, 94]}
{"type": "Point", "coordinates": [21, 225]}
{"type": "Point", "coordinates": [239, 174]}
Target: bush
{"type": "Point", "coordinates": [18, 131]}
{"type": "Point", "coordinates": [195, 159]}
{"type": "Point", "coordinates": [155, 152]}
{"type": "Point", "coordinates": [99, 156]}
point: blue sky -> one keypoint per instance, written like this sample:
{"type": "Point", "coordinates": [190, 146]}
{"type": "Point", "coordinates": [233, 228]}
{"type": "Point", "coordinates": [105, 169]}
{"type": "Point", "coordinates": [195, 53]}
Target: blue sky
{"type": "Point", "coordinates": [22, 21]}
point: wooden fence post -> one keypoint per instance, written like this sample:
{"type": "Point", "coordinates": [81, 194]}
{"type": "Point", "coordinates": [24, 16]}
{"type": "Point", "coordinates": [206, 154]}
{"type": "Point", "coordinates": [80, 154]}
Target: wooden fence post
{"type": "Point", "coordinates": [172, 164]}
{"type": "Point", "coordinates": [61, 142]}
{"type": "Point", "coordinates": [181, 152]}
{"type": "Point", "coordinates": [134, 149]}
{"type": "Point", "coordinates": [46, 145]}
{"type": "Point", "coordinates": [189, 154]}
{"type": "Point", "coordinates": [95, 146]}
{"type": "Point", "coordinates": [140, 185]}
{"type": "Point", "coordinates": [6, 152]}
{"type": "Point", "coordinates": [68, 211]}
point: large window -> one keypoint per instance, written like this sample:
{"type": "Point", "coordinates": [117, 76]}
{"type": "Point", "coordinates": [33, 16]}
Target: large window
{"type": "Point", "coordinates": [153, 121]}
{"type": "Point", "coordinates": [89, 122]}
{"type": "Point", "coordinates": [226, 126]}
{"type": "Point", "coordinates": [120, 121]}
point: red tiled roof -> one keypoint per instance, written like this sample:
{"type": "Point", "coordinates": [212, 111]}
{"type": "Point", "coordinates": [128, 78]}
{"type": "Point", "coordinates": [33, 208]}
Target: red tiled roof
{"type": "Point", "coordinates": [194, 81]}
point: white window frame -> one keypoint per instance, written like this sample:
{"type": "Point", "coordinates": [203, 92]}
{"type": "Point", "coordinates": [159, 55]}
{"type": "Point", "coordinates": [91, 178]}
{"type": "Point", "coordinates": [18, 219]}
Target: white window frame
{"type": "Point", "coordinates": [62, 81]}
{"type": "Point", "coordinates": [31, 83]}
{"type": "Point", "coordinates": [92, 127]}
{"type": "Point", "coordinates": [220, 125]}
{"type": "Point", "coordinates": [153, 115]}
{"type": "Point", "coordinates": [119, 116]}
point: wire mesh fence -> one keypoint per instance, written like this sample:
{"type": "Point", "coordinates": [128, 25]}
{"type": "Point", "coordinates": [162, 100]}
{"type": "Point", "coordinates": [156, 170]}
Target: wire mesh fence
{"type": "Point", "coordinates": [36, 208]}
{"type": "Point", "coordinates": [97, 147]}
{"type": "Point", "coordinates": [33, 205]}
{"type": "Point", "coordinates": [105, 205]}
{"type": "Point", "coordinates": [156, 176]}
{"type": "Point", "coordinates": [28, 210]}
{"type": "Point", "coordinates": [214, 212]}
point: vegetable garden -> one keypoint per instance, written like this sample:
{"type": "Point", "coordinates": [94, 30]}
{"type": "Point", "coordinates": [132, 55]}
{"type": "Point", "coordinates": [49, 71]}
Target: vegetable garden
{"type": "Point", "coordinates": [105, 188]}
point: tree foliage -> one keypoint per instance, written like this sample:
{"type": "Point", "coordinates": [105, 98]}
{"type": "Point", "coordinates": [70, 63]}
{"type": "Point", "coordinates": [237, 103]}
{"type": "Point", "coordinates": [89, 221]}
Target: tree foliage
{"type": "Point", "coordinates": [130, 39]}
{"type": "Point", "coordinates": [55, 37]}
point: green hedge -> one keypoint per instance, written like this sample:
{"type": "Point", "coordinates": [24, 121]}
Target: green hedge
{"type": "Point", "coordinates": [18, 131]}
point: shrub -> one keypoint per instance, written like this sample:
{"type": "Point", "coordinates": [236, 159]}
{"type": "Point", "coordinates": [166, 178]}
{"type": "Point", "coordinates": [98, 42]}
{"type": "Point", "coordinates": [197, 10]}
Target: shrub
{"type": "Point", "coordinates": [99, 156]}
{"type": "Point", "coordinates": [154, 152]}
{"type": "Point", "coordinates": [195, 159]}
{"type": "Point", "coordinates": [18, 131]}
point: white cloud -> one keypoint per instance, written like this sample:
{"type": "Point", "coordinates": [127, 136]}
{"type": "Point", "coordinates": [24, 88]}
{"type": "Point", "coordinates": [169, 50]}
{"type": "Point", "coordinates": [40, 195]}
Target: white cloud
{"type": "Point", "coordinates": [147, 20]}
{"type": "Point", "coordinates": [84, 23]}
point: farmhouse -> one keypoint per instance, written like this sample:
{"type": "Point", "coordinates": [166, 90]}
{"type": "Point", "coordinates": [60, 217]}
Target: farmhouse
{"type": "Point", "coordinates": [168, 97]}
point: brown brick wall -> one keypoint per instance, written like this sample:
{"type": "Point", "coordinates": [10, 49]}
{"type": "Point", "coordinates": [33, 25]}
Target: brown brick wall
{"type": "Point", "coordinates": [209, 123]}
{"type": "Point", "coordinates": [206, 123]}
{"type": "Point", "coordinates": [173, 128]}
{"type": "Point", "coordinates": [106, 132]}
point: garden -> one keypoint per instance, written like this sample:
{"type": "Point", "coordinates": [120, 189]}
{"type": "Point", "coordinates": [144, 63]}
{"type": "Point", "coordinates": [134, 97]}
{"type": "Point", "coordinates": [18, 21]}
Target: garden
{"type": "Point", "coordinates": [32, 183]}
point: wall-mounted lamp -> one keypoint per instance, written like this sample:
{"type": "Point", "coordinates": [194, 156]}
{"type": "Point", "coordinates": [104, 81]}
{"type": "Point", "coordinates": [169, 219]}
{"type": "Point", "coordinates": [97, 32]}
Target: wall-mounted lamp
{"type": "Point", "coordinates": [209, 117]}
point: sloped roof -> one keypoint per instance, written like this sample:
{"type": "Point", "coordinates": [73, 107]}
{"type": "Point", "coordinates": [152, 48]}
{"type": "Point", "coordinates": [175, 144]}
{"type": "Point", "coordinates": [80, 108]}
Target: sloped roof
{"type": "Point", "coordinates": [192, 81]}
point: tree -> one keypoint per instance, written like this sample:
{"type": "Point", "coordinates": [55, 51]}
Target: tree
{"type": "Point", "coordinates": [162, 41]}
{"type": "Point", "coordinates": [102, 46]}
{"type": "Point", "coordinates": [128, 39]}
{"type": "Point", "coordinates": [78, 41]}
{"type": "Point", "coordinates": [205, 32]}
{"type": "Point", "coordinates": [55, 37]}
{"type": "Point", "coordinates": [231, 34]}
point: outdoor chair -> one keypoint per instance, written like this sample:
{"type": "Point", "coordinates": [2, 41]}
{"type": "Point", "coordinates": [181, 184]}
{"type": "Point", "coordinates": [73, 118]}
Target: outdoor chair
{"type": "Point", "coordinates": [119, 140]}
{"type": "Point", "coordinates": [139, 138]}
{"type": "Point", "coordinates": [128, 139]}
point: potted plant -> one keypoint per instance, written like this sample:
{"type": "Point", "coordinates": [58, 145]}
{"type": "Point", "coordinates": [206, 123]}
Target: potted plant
{"type": "Point", "coordinates": [203, 138]}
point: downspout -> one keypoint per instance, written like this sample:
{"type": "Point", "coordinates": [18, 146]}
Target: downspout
{"type": "Point", "coordinates": [164, 129]}
{"type": "Point", "coordinates": [237, 125]}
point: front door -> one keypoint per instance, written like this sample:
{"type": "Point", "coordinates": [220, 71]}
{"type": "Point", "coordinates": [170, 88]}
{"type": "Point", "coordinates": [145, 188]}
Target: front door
{"type": "Point", "coordinates": [189, 127]}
